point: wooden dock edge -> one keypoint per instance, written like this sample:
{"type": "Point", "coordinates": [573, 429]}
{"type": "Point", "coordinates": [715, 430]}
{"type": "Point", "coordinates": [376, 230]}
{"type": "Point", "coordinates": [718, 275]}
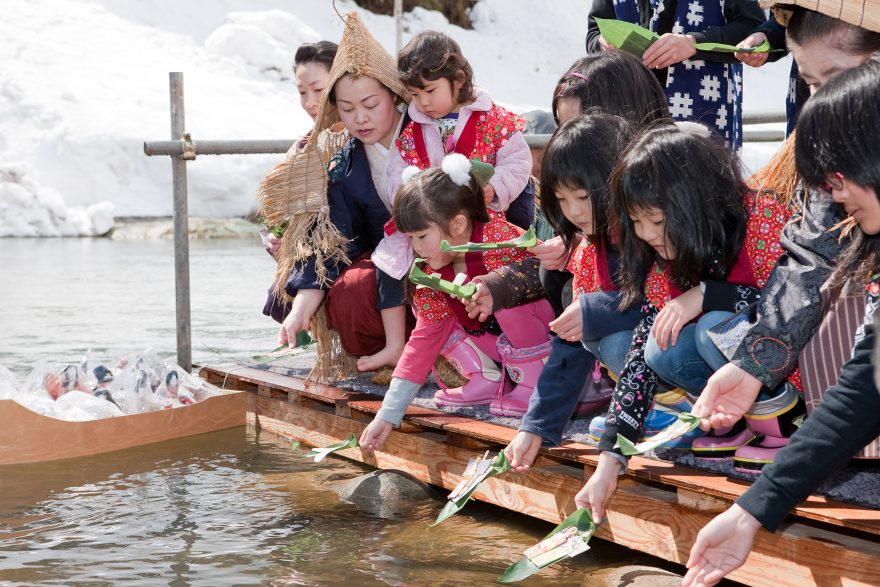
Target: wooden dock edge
{"type": "Point", "coordinates": [645, 515]}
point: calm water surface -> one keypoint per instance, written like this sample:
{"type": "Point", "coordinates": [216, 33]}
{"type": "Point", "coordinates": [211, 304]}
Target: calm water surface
{"type": "Point", "coordinates": [236, 508]}
{"type": "Point", "coordinates": [61, 297]}
{"type": "Point", "coordinates": [228, 508]}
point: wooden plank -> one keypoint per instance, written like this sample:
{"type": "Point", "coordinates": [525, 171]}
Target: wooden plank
{"type": "Point", "coordinates": [280, 382]}
{"type": "Point", "coordinates": [692, 480]}
{"type": "Point", "coordinates": [645, 518]}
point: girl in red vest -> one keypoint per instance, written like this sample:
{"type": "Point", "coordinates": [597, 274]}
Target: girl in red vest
{"type": "Point", "coordinates": [694, 240]}
{"type": "Point", "coordinates": [447, 203]}
{"type": "Point", "coordinates": [449, 114]}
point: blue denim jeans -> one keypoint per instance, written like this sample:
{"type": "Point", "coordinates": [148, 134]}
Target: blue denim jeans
{"type": "Point", "coordinates": [693, 359]}
{"type": "Point", "coordinates": [612, 349]}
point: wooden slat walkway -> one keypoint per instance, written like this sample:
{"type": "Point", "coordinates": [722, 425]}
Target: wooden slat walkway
{"type": "Point", "coordinates": [658, 508]}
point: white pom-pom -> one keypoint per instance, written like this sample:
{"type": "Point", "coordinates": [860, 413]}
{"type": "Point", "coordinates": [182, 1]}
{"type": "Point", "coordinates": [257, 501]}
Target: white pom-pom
{"type": "Point", "coordinates": [693, 128]}
{"type": "Point", "coordinates": [458, 168]}
{"type": "Point", "coordinates": [410, 172]}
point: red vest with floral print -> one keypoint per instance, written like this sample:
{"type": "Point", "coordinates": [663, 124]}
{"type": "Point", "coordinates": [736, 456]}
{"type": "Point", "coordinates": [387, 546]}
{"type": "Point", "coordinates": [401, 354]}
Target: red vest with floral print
{"type": "Point", "coordinates": [757, 257]}
{"type": "Point", "coordinates": [494, 127]}
{"type": "Point", "coordinates": [435, 306]}
{"type": "Point", "coordinates": [589, 268]}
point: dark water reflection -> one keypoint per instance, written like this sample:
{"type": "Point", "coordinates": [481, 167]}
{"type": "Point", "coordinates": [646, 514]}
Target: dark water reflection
{"type": "Point", "coordinates": [235, 508]}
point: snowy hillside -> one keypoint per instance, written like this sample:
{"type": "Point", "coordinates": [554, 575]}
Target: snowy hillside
{"type": "Point", "coordinates": [86, 83]}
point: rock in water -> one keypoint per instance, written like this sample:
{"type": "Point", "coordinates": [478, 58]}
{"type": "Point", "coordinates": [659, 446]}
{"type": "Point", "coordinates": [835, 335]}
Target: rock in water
{"type": "Point", "coordinates": [384, 493]}
{"type": "Point", "coordinates": [632, 576]}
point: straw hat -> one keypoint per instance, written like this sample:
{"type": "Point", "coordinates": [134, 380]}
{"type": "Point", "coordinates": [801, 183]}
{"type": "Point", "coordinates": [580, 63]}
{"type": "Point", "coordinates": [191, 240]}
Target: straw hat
{"type": "Point", "coordinates": [359, 54]}
{"type": "Point", "coordinates": [861, 13]}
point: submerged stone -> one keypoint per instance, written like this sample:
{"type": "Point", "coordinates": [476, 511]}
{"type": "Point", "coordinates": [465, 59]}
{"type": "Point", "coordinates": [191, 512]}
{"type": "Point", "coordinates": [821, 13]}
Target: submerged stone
{"type": "Point", "coordinates": [384, 493]}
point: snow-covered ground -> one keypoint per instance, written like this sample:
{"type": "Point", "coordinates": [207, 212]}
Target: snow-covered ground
{"type": "Point", "coordinates": [83, 83]}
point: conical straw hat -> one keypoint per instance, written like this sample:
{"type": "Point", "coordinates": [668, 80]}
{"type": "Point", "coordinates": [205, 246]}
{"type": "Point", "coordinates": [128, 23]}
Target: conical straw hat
{"type": "Point", "coordinates": [359, 54]}
{"type": "Point", "coordinates": [861, 13]}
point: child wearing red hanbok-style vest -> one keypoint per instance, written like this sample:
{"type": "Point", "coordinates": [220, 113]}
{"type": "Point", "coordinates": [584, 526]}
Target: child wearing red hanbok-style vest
{"type": "Point", "coordinates": [447, 204]}
{"type": "Point", "coordinates": [449, 114]}
{"type": "Point", "coordinates": [696, 244]}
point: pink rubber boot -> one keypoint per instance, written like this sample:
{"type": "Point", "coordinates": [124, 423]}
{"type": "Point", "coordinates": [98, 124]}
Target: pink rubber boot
{"type": "Point", "coordinates": [524, 366]}
{"type": "Point", "coordinates": [596, 392]}
{"type": "Point", "coordinates": [723, 444]}
{"type": "Point", "coordinates": [773, 421]}
{"type": "Point", "coordinates": [482, 372]}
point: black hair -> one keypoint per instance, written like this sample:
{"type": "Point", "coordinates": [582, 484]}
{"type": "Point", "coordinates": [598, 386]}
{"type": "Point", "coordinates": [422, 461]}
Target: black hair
{"type": "Point", "coordinates": [323, 52]}
{"type": "Point", "coordinates": [430, 56]}
{"type": "Point", "coordinates": [615, 82]}
{"type": "Point", "coordinates": [695, 181]}
{"type": "Point", "coordinates": [581, 154]}
{"type": "Point", "coordinates": [807, 26]}
{"type": "Point", "coordinates": [431, 197]}
{"type": "Point", "coordinates": [837, 133]}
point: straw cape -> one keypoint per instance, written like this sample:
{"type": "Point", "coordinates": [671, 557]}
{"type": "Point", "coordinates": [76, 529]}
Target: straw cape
{"type": "Point", "coordinates": [862, 13]}
{"type": "Point", "coordinates": [297, 188]}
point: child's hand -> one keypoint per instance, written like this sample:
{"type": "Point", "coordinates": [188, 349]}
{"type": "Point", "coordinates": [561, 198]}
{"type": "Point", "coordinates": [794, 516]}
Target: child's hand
{"type": "Point", "coordinates": [305, 304]}
{"type": "Point", "coordinates": [675, 315]}
{"type": "Point", "coordinates": [522, 450]}
{"type": "Point", "coordinates": [596, 493]}
{"type": "Point", "coordinates": [488, 194]}
{"type": "Point", "coordinates": [551, 253]}
{"type": "Point", "coordinates": [480, 305]}
{"type": "Point", "coordinates": [668, 50]}
{"type": "Point", "coordinates": [753, 59]}
{"type": "Point", "coordinates": [375, 435]}
{"type": "Point", "coordinates": [569, 326]}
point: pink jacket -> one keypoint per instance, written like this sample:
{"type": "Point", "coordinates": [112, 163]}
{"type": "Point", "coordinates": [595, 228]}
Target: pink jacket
{"type": "Point", "coordinates": [513, 168]}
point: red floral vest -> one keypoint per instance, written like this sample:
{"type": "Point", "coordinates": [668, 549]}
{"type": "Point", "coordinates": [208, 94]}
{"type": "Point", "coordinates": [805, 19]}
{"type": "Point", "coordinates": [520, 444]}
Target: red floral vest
{"type": "Point", "coordinates": [435, 306]}
{"type": "Point", "coordinates": [589, 268]}
{"type": "Point", "coordinates": [492, 130]}
{"type": "Point", "coordinates": [755, 261]}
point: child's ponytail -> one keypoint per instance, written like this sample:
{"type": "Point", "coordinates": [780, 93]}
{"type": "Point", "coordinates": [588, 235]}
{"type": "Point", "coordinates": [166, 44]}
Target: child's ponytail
{"type": "Point", "coordinates": [438, 194]}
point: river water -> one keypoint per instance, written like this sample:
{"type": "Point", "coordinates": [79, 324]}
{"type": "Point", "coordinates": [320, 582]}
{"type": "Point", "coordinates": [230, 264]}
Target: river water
{"type": "Point", "coordinates": [228, 508]}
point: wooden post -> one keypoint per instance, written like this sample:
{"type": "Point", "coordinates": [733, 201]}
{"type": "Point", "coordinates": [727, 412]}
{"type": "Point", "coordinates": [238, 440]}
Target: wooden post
{"type": "Point", "coordinates": [181, 226]}
{"type": "Point", "coordinates": [398, 24]}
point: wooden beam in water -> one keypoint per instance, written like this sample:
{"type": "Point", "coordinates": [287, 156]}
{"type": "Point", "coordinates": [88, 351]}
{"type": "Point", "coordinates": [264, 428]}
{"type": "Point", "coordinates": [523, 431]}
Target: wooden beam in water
{"type": "Point", "coordinates": [695, 482]}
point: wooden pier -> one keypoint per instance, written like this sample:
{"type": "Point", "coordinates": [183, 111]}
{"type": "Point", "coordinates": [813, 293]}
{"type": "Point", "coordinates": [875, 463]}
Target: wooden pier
{"type": "Point", "coordinates": [657, 509]}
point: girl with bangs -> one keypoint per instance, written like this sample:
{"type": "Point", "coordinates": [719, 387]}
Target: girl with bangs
{"type": "Point", "coordinates": [446, 203]}
{"type": "Point", "coordinates": [574, 200]}
{"type": "Point", "coordinates": [694, 241]}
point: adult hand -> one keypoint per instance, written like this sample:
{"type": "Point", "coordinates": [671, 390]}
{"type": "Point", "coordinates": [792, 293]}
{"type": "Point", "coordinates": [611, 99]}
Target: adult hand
{"type": "Point", "coordinates": [668, 50]}
{"type": "Point", "coordinates": [722, 546]}
{"type": "Point", "coordinates": [595, 494]}
{"type": "Point", "coordinates": [551, 253]}
{"type": "Point", "coordinates": [488, 194]}
{"type": "Point", "coordinates": [304, 306]}
{"type": "Point", "coordinates": [753, 59]}
{"type": "Point", "coordinates": [480, 306]}
{"type": "Point", "coordinates": [272, 243]}
{"type": "Point", "coordinates": [569, 326]}
{"type": "Point", "coordinates": [375, 435]}
{"type": "Point", "coordinates": [728, 395]}
{"type": "Point", "coordinates": [675, 315]}
{"type": "Point", "coordinates": [522, 450]}
{"type": "Point", "coordinates": [605, 45]}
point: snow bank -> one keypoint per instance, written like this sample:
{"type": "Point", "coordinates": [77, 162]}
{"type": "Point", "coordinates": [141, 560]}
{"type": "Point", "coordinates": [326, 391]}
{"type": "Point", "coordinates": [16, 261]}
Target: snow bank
{"type": "Point", "coordinates": [88, 84]}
